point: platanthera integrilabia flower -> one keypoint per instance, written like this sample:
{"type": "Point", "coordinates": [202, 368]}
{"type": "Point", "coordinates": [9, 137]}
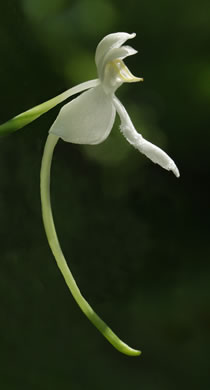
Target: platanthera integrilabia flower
{"type": "Point", "coordinates": [88, 119]}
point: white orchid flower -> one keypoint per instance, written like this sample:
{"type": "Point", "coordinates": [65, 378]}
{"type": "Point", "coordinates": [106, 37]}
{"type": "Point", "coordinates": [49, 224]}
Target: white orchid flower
{"type": "Point", "coordinates": [88, 119]}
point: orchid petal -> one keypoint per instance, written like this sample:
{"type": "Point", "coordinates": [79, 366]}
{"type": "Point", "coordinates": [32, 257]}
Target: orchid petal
{"type": "Point", "coordinates": [116, 53]}
{"type": "Point", "coordinates": [88, 119]}
{"type": "Point", "coordinates": [119, 53]}
{"type": "Point", "coordinates": [111, 41]}
{"type": "Point", "coordinates": [153, 152]}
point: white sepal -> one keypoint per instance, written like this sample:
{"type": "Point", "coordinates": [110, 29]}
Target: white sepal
{"type": "Point", "coordinates": [110, 42]}
{"type": "Point", "coordinates": [88, 119]}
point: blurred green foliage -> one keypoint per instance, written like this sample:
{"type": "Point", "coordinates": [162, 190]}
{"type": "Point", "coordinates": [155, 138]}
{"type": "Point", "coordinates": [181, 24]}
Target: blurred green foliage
{"type": "Point", "coordinates": [136, 238]}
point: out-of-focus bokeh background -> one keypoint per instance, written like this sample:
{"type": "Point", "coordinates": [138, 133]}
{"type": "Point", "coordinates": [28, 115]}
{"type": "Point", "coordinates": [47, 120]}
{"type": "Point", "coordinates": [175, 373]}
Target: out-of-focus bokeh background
{"type": "Point", "coordinates": [136, 238]}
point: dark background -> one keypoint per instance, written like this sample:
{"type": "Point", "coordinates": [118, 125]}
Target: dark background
{"type": "Point", "coordinates": [136, 238]}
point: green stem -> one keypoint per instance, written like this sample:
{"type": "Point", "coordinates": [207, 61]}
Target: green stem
{"type": "Point", "coordinates": [30, 115]}
{"type": "Point", "coordinates": [60, 259]}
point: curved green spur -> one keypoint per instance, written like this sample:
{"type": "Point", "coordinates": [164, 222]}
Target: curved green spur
{"type": "Point", "coordinates": [60, 259]}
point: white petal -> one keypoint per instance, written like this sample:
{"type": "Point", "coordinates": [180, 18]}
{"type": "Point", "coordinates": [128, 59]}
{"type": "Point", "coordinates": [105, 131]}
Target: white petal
{"type": "Point", "coordinates": [154, 153]}
{"type": "Point", "coordinates": [115, 53]}
{"type": "Point", "coordinates": [88, 119]}
{"type": "Point", "coordinates": [109, 42]}
{"type": "Point", "coordinates": [119, 53]}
